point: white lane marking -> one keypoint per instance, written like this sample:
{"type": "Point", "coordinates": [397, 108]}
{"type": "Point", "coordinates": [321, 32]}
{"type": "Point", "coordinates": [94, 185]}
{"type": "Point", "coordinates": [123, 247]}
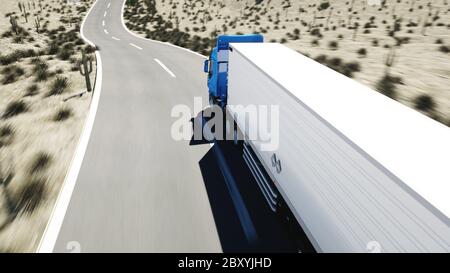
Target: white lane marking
{"type": "Point", "coordinates": [106, 32]}
{"type": "Point", "coordinates": [133, 45]}
{"type": "Point", "coordinates": [154, 41]}
{"type": "Point", "coordinates": [114, 38]}
{"type": "Point", "coordinates": [50, 235]}
{"type": "Point", "coordinates": [103, 23]}
{"type": "Point", "coordinates": [109, 5]}
{"type": "Point", "coordinates": [104, 15]}
{"type": "Point", "coordinates": [165, 68]}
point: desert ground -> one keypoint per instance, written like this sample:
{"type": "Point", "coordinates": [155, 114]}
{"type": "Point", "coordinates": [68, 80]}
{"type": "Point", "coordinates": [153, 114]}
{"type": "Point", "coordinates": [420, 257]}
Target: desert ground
{"type": "Point", "coordinates": [399, 47]}
{"type": "Point", "coordinates": [40, 124]}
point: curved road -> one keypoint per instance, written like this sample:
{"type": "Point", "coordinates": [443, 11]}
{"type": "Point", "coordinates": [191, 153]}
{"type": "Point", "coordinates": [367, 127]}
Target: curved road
{"type": "Point", "coordinates": [138, 189]}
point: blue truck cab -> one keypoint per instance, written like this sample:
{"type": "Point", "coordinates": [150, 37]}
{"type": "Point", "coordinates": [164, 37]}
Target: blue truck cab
{"type": "Point", "coordinates": [217, 65]}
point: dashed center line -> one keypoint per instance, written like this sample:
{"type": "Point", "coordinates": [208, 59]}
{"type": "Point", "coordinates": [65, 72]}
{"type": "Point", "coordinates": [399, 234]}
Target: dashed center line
{"type": "Point", "coordinates": [114, 38]}
{"type": "Point", "coordinates": [106, 32]}
{"type": "Point", "coordinates": [165, 68]}
{"type": "Point", "coordinates": [109, 5]}
{"type": "Point", "coordinates": [103, 23]}
{"type": "Point", "coordinates": [133, 45]}
{"type": "Point", "coordinates": [104, 15]}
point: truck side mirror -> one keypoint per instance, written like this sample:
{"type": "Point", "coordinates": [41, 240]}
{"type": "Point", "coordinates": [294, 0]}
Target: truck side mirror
{"type": "Point", "coordinates": [206, 66]}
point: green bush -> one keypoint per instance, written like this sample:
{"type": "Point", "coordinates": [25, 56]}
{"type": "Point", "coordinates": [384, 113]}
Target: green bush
{"type": "Point", "coordinates": [16, 56]}
{"type": "Point", "coordinates": [14, 108]}
{"type": "Point", "coordinates": [386, 86]}
{"type": "Point", "coordinates": [131, 2]}
{"type": "Point", "coordinates": [11, 73]}
{"type": "Point", "coordinates": [323, 6]}
{"type": "Point", "coordinates": [41, 162]}
{"type": "Point", "coordinates": [6, 135]}
{"type": "Point", "coordinates": [333, 45]}
{"type": "Point", "coordinates": [444, 49]}
{"type": "Point", "coordinates": [32, 90]}
{"type": "Point", "coordinates": [40, 69]}
{"type": "Point", "coordinates": [30, 195]}
{"type": "Point", "coordinates": [362, 52]}
{"type": "Point", "coordinates": [62, 114]}
{"type": "Point", "coordinates": [59, 86]}
{"type": "Point", "coordinates": [424, 103]}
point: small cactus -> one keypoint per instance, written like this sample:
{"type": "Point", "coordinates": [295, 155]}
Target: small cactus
{"type": "Point", "coordinates": [14, 25]}
{"type": "Point", "coordinates": [25, 14]}
{"type": "Point", "coordinates": [177, 22]}
{"type": "Point", "coordinates": [329, 16]}
{"type": "Point", "coordinates": [412, 5]}
{"type": "Point", "coordinates": [351, 6]}
{"type": "Point", "coordinates": [390, 59]}
{"type": "Point", "coordinates": [313, 21]}
{"type": "Point", "coordinates": [37, 24]}
{"type": "Point", "coordinates": [425, 24]}
{"type": "Point", "coordinates": [355, 31]}
{"type": "Point", "coordinates": [86, 70]}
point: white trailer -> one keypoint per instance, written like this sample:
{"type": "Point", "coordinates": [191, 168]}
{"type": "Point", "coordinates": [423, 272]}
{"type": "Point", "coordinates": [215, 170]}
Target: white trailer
{"type": "Point", "coordinates": [359, 171]}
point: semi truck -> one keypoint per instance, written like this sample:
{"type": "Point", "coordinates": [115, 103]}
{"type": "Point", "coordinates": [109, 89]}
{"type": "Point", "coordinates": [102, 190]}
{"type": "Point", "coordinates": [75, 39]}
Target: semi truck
{"type": "Point", "coordinates": [357, 171]}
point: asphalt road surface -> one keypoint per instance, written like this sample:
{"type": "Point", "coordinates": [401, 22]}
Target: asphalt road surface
{"type": "Point", "coordinates": [139, 190]}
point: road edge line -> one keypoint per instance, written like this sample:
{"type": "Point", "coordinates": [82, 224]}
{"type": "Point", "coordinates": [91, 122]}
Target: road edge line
{"type": "Point", "coordinates": [51, 232]}
{"type": "Point", "coordinates": [151, 40]}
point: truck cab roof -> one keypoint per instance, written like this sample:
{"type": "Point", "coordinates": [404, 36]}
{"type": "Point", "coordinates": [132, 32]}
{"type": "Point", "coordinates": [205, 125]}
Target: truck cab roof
{"type": "Point", "coordinates": [224, 40]}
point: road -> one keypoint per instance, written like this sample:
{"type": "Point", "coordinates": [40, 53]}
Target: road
{"type": "Point", "coordinates": [138, 190]}
{"type": "Point", "coordinates": [136, 183]}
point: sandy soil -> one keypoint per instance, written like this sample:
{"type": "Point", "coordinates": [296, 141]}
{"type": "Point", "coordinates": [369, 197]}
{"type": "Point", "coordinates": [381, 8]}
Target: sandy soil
{"type": "Point", "coordinates": [419, 76]}
{"type": "Point", "coordinates": [36, 146]}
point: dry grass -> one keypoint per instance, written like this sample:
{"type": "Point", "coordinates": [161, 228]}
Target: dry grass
{"type": "Point", "coordinates": [351, 31]}
{"type": "Point", "coordinates": [38, 132]}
